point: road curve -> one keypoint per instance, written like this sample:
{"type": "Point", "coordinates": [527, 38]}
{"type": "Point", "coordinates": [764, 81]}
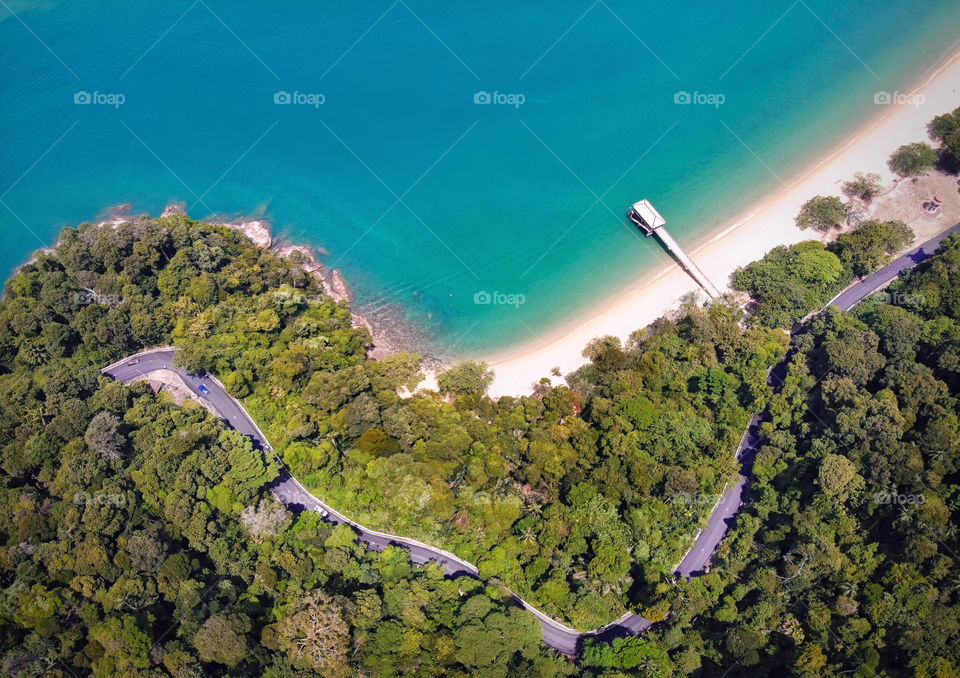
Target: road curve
{"type": "Point", "coordinates": [287, 489]}
{"type": "Point", "coordinates": [291, 492]}
{"type": "Point", "coordinates": [857, 292]}
{"type": "Point", "coordinates": [696, 560]}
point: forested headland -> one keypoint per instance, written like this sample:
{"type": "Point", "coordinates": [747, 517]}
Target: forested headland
{"type": "Point", "coordinates": [138, 537]}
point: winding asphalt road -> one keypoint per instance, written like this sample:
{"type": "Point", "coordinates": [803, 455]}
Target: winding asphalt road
{"type": "Point", "coordinates": [558, 636]}
{"type": "Point", "coordinates": [856, 293]}
{"type": "Point", "coordinates": [285, 487]}
{"type": "Point", "coordinates": [696, 560]}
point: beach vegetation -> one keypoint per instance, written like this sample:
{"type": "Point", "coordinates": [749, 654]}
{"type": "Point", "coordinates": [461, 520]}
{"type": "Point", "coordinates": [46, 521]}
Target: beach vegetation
{"type": "Point", "coordinates": [946, 129]}
{"type": "Point", "coordinates": [870, 246]}
{"type": "Point", "coordinates": [468, 378]}
{"type": "Point", "coordinates": [863, 186]}
{"type": "Point", "coordinates": [913, 160]}
{"type": "Point", "coordinates": [823, 213]}
{"type": "Point", "coordinates": [789, 282]}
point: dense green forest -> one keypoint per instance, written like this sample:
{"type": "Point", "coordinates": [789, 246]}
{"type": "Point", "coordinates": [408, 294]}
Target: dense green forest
{"type": "Point", "coordinates": [138, 537]}
{"type": "Point", "coordinates": [580, 514]}
{"type": "Point", "coordinates": [790, 281]}
{"type": "Point", "coordinates": [845, 561]}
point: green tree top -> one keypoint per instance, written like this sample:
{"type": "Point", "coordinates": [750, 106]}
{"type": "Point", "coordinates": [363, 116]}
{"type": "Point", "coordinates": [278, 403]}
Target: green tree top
{"type": "Point", "coordinates": [912, 160]}
{"type": "Point", "coordinates": [466, 378]}
{"type": "Point", "coordinates": [822, 213]}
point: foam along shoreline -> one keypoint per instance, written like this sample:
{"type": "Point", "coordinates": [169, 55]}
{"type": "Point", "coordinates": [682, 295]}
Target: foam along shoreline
{"type": "Point", "coordinates": [746, 239]}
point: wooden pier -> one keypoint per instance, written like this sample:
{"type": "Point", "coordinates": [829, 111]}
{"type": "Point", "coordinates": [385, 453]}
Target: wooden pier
{"type": "Point", "coordinates": [648, 219]}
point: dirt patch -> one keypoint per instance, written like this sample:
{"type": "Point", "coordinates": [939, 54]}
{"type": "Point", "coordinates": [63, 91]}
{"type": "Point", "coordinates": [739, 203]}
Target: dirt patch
{"type": "Point", "coordinates": [904, 203]}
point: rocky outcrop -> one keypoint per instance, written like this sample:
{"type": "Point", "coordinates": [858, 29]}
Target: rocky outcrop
{"type": "Point", "coordinates": [174, 208]}
{"type": "Point", "coordinates": [257, 231]}
{"type": "Point", "coordinates": [339, 289]}
{"type": "Point", "coordinates": [113, 222]}
{"type": "Point", "coordinates": [334, 284]}
{"type": "Point", "coordinates": [119, 214]}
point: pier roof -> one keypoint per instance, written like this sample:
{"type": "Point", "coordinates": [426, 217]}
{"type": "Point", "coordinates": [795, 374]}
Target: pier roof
{"type": "Point", "coordinates": [649, 214]}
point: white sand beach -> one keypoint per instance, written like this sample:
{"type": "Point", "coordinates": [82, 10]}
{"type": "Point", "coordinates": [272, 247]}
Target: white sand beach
{"type": "Point", "coordinates": [746, 239]}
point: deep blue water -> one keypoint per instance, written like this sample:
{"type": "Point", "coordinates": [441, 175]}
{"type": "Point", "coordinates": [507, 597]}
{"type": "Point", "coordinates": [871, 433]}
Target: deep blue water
{"type": "Point", "coordinates": [423, 197]}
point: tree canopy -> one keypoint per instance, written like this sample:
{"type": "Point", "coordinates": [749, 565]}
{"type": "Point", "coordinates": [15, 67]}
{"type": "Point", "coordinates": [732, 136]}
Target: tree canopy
{"type": "Point", "coordinates": [790, 281]}
{"type": "Point", "coordinates": [863, 186]}
{"type": "Point", "coordinates": [911, 160]}
{"type": "Point", "coordinates": [139, 536]}
{"type": "Point", "coordinates": [822, 213]}
{"type": "Point", "coordinates": [946, 129]}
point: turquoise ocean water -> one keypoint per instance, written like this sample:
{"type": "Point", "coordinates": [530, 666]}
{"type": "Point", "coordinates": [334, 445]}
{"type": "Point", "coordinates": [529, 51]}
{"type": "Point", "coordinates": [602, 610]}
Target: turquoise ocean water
{"type": "Point", "coordinates": [421, 196]}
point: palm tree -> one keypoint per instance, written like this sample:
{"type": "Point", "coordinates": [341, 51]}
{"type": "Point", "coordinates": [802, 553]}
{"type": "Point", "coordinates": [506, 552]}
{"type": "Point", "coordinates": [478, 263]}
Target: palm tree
{"type": "Point", "coordinates": [954, 582]}
{"type": "Point", "coordinates": [37, 416]}
{"type": "Point", "coordinates": [647, 665]}
{"type": "Point", "coordinates": [529, 536]}
{"type": "Point", "coordinates": [848, 588]}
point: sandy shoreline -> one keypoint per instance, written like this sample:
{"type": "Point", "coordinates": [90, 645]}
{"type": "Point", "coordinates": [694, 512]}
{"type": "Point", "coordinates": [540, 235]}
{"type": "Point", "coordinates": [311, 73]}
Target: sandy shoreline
{"type": "Point", "coordinates": [746, 239]}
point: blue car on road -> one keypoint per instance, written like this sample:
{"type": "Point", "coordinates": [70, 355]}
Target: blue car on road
{"type": "Point", "coordinates": [203, 389]}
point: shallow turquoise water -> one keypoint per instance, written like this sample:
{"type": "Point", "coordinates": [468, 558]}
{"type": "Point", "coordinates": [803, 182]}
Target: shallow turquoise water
{"type": "Point", "coordinates": [421, 196]}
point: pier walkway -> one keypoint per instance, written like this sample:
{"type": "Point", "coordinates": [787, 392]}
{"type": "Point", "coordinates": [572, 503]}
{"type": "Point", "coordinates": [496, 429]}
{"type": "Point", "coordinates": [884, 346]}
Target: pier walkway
{"type": "Point", "coordinates": [644, 215]}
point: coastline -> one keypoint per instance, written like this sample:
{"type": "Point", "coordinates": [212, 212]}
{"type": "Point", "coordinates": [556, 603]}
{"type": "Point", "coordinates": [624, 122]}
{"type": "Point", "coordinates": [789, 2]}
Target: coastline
{"type": "Point", "coordinates": [737, 242]}
{"type": "Point", "coordinates": [389, 330]}
{"type": "Point", "coordinates": [259, 232]}
{"type": "Point", "coordinates": [305, 256]}
{"type": "Point", "coordinates": [746, 238]}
